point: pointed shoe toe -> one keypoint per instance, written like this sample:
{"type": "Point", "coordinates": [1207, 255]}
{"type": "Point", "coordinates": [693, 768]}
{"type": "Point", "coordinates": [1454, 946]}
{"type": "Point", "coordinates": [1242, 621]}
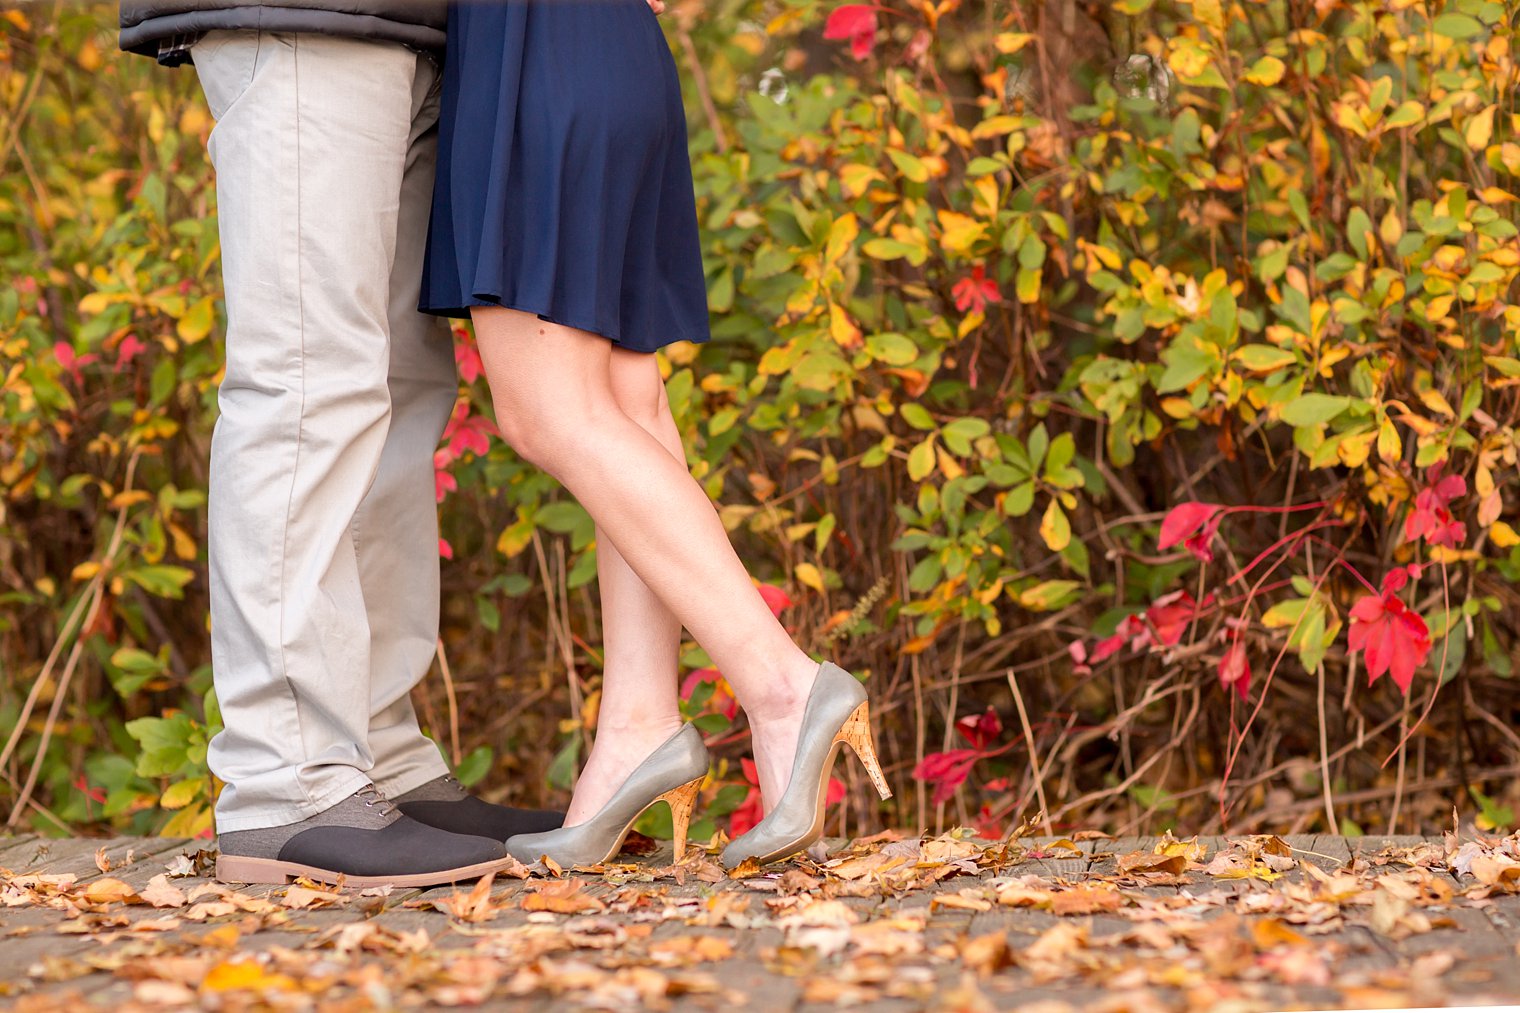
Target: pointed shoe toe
{"type": "Point", "coordinates": [672, 774]}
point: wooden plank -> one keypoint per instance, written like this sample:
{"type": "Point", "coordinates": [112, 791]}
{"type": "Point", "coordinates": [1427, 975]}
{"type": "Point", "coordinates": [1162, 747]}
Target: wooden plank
{"type": "Point", "coordinates": [1073, 868]}
{"type": "Point", "coordinates": [1328, 852]}
{"type": "Point", "coordinates": [13, 846]}
{"type": "Point", "coordinates": [1369, 846]}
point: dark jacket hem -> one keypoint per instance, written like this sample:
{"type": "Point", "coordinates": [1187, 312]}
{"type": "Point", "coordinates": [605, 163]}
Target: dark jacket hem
{"type": "Point", "coordinates": [145, 36]}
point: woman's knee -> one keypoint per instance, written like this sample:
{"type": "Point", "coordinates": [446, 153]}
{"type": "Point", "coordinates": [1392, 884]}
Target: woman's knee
{"type": "Point", "coordinates": [549, 434]}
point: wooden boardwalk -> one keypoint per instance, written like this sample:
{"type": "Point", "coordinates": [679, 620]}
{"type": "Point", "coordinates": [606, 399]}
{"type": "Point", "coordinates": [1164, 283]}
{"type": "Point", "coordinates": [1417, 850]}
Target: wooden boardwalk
{"type": "Point", "coordinates": [909, 925]}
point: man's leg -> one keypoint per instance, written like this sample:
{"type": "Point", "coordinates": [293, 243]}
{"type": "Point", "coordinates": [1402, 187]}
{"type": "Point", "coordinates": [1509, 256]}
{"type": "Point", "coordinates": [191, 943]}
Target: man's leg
{"type": "Point", "coordinates": [396, 530]}
{"type": "Point", "coordinates": [310, 149]}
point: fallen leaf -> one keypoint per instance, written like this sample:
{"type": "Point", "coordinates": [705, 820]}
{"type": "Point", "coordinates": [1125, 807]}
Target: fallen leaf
{"type": "Point", "coordinates": [160, 893]}
{"type": "Point", "coordinates": [561, 897]}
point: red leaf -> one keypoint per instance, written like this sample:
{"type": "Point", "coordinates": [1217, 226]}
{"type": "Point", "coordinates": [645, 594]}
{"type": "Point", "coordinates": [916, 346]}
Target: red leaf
{"type": "Point", "coordinates": [988, 827]}
{"type": "Point", "coordinates": [1170, 616]}
{"type": "Point", "coordinates": [445, 549]}
{"type": "Point", "coordinates": [1394, 639]}
{"type": "Point", "coordinates": [1431, 517]}
{"type": "Point", "coordinates": [1235, 669]}
{"type": "Point", "coordinates": [467, 359]}
{"type": "Point", "coordinates": [975, 291]}
{"type": "Point", "coordinates": [130, 348]}
{"type": "Point", "coordinates": [947, 771]}
{"type": "Point", "coordinates": [856, 22]}
{"type": "Point", "coordinates": [1185, 519]}
{"type": "Point", "coordinates": [443, 484]}
{"type": "Point", "coordinates": [775, 598]}
{"type": "Point", "coordinates": [981, 730]}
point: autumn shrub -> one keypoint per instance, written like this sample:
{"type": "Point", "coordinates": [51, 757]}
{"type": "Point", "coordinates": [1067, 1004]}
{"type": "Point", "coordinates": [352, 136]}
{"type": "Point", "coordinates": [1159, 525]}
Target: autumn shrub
{"type": "Point", "coordinates": [1127, 392]}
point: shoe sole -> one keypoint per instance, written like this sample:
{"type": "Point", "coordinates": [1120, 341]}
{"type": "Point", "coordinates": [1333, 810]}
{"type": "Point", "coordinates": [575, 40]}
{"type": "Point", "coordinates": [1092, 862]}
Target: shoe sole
{"type": "Point", "coordinates": [270, 871]}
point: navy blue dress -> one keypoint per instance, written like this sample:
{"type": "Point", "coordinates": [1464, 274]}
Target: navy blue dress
{"type": "Point", "coordinates": [564, 183]}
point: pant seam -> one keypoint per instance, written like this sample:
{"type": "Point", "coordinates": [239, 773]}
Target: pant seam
{"type": "Point", "coordinates": [301, 408]}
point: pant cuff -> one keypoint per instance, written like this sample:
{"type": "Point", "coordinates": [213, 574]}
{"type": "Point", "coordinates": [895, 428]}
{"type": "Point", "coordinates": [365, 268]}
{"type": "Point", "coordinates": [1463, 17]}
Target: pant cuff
{"type": "Point", "coordinates": [264, 817]}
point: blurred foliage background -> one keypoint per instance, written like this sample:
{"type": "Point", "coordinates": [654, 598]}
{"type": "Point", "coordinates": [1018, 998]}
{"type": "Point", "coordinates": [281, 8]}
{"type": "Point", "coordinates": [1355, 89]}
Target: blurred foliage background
{"type": "Point", "coordinates": [1123, 389]}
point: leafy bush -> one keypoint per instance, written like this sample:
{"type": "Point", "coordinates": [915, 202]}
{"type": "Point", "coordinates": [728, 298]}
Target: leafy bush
{"type": "Point", "coordinates": [1112, 387]}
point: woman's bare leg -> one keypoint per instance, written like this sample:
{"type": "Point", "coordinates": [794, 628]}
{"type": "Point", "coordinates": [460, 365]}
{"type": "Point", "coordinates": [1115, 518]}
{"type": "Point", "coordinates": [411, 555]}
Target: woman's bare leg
{"type": "Point", "coordinates": [641, 639]}
{"type": "Point", "coordinates": [555, 403]}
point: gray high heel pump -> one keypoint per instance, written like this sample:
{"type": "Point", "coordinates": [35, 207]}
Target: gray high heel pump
{"type": "Point", "coordinates": [837, 714]}
{"type": "Point", "coordinates": [671, 774]}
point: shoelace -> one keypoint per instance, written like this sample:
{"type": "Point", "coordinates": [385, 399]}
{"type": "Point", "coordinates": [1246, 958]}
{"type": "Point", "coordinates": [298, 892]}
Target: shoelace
{"type": "Point", "coordinates": [374, 798]}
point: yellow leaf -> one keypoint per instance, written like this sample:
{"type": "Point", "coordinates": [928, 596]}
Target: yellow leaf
{"type": "Point", "coordinates": [1390, 446]}
{"type": "Point", "coordinates": [1480, 129]}
{"type": "Point", "coordinates": [1177, 407]}
{"type": "Point", "coordinates": [1353, 450]}
{"type": "Point", "coordinates": [958, 232]}
{"type": "Point", "coordinates": [244, 976]}
{"type": "Point", "coordinates": [808, 576]}
{"type": "Point", "coordinates": [1433, 400]}
{"type": "Point", "coordinates": [1188, 59]}
{"type": "Point", "coordinates": [1267, 71]}
{"type": "Point", "coordinates": [841, 234]}
{"type": "Point", "coordinates": [1055, 528]}
{"type": "Point", "coordinates": [197, 321]}
{"type": "Point", "coordinates": [1503, 536]}
{"type": "Point", "coordinates": [841, 328]}
{"type": "Point", "coordinates": [1009, 43]}
{"type": "Point", "coordinates": [181, 794]}
{"type": "Point", "coordinates": [86, 570]}
{"type": "Point", "coordinates": [856, 179]}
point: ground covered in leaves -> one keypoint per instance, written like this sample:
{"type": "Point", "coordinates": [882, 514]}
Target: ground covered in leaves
{"type": "Point", "coordinates": [953, 923]}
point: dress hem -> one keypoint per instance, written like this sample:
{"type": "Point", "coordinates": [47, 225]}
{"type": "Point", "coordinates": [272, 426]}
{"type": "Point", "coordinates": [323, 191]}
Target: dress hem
{"type": "Point", "coordinates": [485, 300]}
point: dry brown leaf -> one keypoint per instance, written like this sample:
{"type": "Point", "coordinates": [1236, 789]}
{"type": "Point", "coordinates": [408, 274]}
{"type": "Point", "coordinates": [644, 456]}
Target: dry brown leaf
{"type": "Point", "coordinates": [1147, 862]}
{"type": "Point", "coordinates": [1085, 900]}
{"type": "Point", "coordinates": [987, 954]}
{"type": "Point", "coordinates": [101, 861]}
{"type": "Point", "coordinates": [1268, 933]}
{"type": "Point", "coordinates": [1499, 872]}
{"type": "Point", "coordinates": [299, 898]}
{"type": "Point", "coordinates": [565, 896]}
{"type": "Point", "coordinates": [691, 950]}
{"type": "Point", "coordinates": [108, 891]}
{"type": "Point", "coordinates": [966, 900]}
{"type": "Point", "coordinates": [210, 909]}
{"type": "Point", "coordinates": [161, 893]}
{"type": "Point", "coordinates": [474, 906]}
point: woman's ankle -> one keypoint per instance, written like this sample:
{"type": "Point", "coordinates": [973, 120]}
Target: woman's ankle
{"type": "Point", "coordinates": [784, 695]}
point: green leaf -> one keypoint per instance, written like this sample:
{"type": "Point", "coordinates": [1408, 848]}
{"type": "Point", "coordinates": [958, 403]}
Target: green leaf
{"type": "Point", "coordinates": [921, 460]}
{"type": "Point", "coordinates": [1456, 26]}
{"type": "Point", "coordinates": [893, 349]}
{"type": "Point", "coordinates": [561, 773]}
{"type": "Point", "coordinates": [475, 766]}
{"type": "Point", "coordinates": [1314, 409]}
{"type": "Point", "coordinates": [917, 416]}
{"type": "Point", "coordinates": [1264, 358]}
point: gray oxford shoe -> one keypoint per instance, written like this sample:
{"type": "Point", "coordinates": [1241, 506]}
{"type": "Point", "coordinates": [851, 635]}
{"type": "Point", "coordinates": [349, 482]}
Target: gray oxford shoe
{"type": "Point", "coordinates": [362, 841]}
{"type": "Point", "coordinates": [837, 714]}
{"type": "Point", "coordinates": [671, 774]}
